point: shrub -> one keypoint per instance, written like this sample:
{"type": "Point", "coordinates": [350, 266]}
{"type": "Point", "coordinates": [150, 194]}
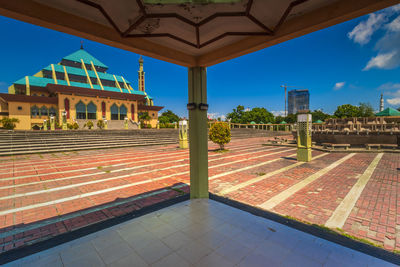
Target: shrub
{"type": "Point", "coordinates": [100, 124]}
{"type": "Point", "coordinates": [220, 133]}
{"type": "Point", "coordinates": [89, 124]}
{"type": "Point", "coordinates": [9, 123]}
{"type": "Point", "coordinates": [73, 126]}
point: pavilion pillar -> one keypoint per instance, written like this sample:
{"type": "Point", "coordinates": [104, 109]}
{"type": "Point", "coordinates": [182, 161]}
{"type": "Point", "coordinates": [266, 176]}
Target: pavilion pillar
{"type": "Point", "coordinates": [198, 138]}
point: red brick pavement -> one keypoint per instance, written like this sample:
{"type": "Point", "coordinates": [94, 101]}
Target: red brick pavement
{"type": "Point", "coordinates": [59, 178]}
{"type": "Point", "coordinates": [376, 215]}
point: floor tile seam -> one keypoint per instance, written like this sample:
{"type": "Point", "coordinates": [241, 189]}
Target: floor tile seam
{"type": "Point", "coordinates": [131, 161]}
{"type": "Point", "coordinates": [341, 213]}
{"type": "Point", "coordinates": [249, 167]}
{"type": "Point", "coordinates": [258, 179]}
{"type": "Point", "coordinates": [85, 212]}
{"type": "Point", "coordinates": [326, 177]}
{"type": "Point", "coordinates": [113, 171]}
{"type": "Point", "coordinates": [85, 156]}
{"type": "Point", "coordinates": [110, 155]}
{"type": "Point", "coordinates": [91, 193]}
{"type": "Point", "coordinates": [121, 159]}
{"type": "Point", "coordinates": [282, 196]}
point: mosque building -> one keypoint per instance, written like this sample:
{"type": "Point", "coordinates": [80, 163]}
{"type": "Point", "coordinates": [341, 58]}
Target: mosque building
{"type": "Point", "coordinates": [80, 88]}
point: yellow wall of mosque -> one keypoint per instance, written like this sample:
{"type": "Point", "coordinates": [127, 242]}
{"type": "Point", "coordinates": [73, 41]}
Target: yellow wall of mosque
{"type": "Point", "coordinates": [22, 112]}
{"type": "Point", "coordinates": [74, 99]}
{"type": "Point", "coordinates": [38, 93]}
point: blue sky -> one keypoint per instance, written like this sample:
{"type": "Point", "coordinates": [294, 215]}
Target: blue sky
{"type": "Point", "coordinates": [348, 63]}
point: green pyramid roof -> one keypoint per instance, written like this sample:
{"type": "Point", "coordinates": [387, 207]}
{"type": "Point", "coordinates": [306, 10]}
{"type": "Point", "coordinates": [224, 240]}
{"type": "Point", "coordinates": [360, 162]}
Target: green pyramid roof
{"type": "Point", "coordinates": [82, 54]}
{"type": "Point", "coordinates": [388, 112]}
{"type": "Point", "coordinates": [318, 121]}
{"type": "Point", "coordinates": [252, 122]}
{"type": "Point", "coordinates": [283, 122]}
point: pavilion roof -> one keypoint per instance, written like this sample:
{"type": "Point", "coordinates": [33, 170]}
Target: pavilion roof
{"type": "Point", "coordinates": [192, 33]}
{"type": "Point", "coordinates": [388, 112]}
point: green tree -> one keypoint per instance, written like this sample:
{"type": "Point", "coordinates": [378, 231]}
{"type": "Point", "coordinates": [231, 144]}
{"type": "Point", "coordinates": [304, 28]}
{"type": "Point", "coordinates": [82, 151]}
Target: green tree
{"type": "Point", "coordinates": [168, 117]}
{"type": "Point", "coordinates": [319, 115]}
{"type": "Point", "coordinates": [347, 111]}
{"type": "Point", "coordinates": [236, 114]}
{"type": "Point", "coordinates": [144, 117]}
{"type": "Point", "coordinates": [9, 123]}
{"type": "Point", "coordinates": [257, 115]}
{"type": "Point", "coordinates": [220, 133]}
{"type": "Point", "coordinates": [366, 110]}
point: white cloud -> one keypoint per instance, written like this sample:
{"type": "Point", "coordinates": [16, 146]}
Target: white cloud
{"type": "Point", "coordinates": [394, 26]}
{"type": "Point", "coordinates": [363, 32]}
{"type": "Point", "coordinates": [394, 101]}
{"type": "Point", "coordinates": [383, 61]}
{"type": "Point", "coordinates": [392, 91]}
{"type": "Point", "coordinates": [389, 86]}
{"type": "Point", "coordinates": [278, 112]}
{"type": "Point", "coordinates": [395, 8]}
{"type": "Point", "coordinates": [216, 115]}
{"type": "Point", "coordinates": [339, 85]}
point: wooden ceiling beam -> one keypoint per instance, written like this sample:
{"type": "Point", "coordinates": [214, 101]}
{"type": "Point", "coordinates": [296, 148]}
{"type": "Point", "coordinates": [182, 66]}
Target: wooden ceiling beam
{"type": "Point", "coordinates": [45, 16]}
{"type": "Point", "coordinates": [337, 12]}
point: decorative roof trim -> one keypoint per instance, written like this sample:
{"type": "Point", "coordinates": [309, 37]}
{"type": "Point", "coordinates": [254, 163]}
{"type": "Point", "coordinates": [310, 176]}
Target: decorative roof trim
{"type": "Point", "coordinates": [54, 88]}
{"type": "Point", "coordinates": [152, 108]}
{"type": "Point", "coordinates": [29, 98]}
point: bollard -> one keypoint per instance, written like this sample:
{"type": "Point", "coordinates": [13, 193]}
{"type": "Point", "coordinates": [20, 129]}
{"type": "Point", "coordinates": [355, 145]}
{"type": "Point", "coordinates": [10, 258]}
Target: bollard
{"type": "Point", "coordinates": [183, 134]}
{"type": "Point", "coordinates": [105, 124]}
{"type": "Point", "coordinates": [52, 123]}
{"type": "Point", "coordinates": [45, 125]}
{"type": "Point", "coordinates": [64, 120]}
{"type": "Point", "coordinates": [175, 127]}
{"type": "Point", "coordinates": [158, 125]}
{"type": "Point", "coordinates": [304, 124]}
{"type": "Point", "coordinates": [126, 123]}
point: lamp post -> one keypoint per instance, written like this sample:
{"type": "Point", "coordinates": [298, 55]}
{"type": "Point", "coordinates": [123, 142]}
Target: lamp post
{"type": "Point", "coordinates": [64, 120]}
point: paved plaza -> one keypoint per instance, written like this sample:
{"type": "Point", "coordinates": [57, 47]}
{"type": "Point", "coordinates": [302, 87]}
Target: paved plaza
{"type": "Point", "coordinates": [45, 195]}
{"type": "Point", "coordinates": [200, 233]}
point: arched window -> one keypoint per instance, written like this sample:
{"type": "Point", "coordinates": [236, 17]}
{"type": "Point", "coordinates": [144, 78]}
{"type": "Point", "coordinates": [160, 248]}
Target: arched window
{"type": "Point", "coordinates": [122, 112]}
{"type": "Point", "coordinates": [52, 112]}
{"type": "Point", "coordinates": [34, 111]}
{"type": "Point", "coordinates": [80, 111]}
{"type": "Point", "coordinates": [114, 112]}
{"type": "Point", "coordinates": [91, 111]}
{"type": "Point", "coordinates": [133, 112]}
{"type": "Point", "coordinates": [103, 109]}
{"type": "Point", "coordinates": [66, 106]}
{"type": "Point", "coordinates": [44, 111]}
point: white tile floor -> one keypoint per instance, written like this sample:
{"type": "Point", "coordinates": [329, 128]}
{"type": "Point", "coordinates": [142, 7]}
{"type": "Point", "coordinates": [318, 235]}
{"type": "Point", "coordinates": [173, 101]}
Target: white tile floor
{"type": "Point", "coordinates": [199, 233]}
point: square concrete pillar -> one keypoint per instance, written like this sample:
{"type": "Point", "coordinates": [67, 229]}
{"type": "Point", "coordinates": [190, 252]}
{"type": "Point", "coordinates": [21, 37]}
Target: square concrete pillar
{"type": "Point", "coordinates": [198, 138]}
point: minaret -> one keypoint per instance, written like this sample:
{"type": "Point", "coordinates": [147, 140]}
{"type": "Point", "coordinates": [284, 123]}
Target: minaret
{"type": "Point", "coordinates": [141, 75]}
{"type": "Point", "coordinates": [381, 103]}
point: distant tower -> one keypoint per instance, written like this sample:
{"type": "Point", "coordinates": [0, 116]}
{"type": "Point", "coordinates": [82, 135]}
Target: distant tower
{"type": "Point", "coordinates": [141, 75]}
{"type": "Point", "coordinates": [381, 103]}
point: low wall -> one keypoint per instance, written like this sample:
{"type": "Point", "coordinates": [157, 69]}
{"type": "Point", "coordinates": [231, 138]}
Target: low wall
{"type": "Point", "coordinates": [355, 139]}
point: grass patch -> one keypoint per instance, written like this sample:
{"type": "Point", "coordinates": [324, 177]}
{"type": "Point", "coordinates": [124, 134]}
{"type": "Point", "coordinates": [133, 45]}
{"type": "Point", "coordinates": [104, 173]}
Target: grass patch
{"type": "Point", "coordinates": [99, 167]}
{"type": "Point", "coordinates": [181, 192]}
{"type": "Point", "coordinates": [260, 173]}
{"type": "Point", "coordinates": [338, 231]}
{"type": "Point", "coordinates": [107, 171]}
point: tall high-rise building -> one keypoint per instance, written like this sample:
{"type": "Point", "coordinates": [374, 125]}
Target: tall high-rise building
{"type": "Point", "coordinates": [298, 100]}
